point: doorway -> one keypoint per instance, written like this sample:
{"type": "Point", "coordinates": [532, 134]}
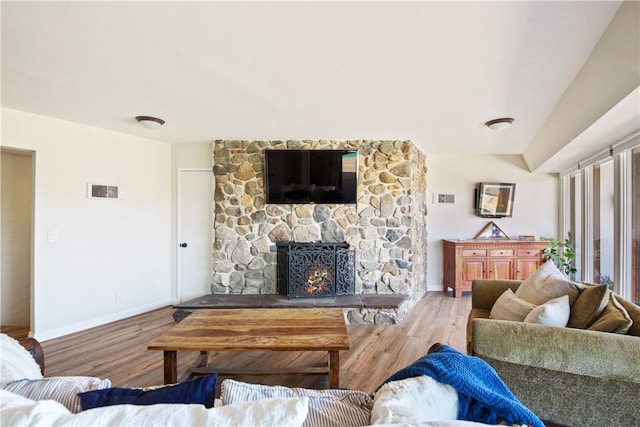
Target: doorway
{"type": "Point", "coordinates": [195, 233]}
{"type": "Point", "coordinates": [16, 193]}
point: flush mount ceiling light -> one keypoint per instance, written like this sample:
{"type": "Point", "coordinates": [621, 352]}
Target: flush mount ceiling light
{"type": "Point", "coordinates": [499, 124]}
{"type": "Point", "coordinates": [150, 122]}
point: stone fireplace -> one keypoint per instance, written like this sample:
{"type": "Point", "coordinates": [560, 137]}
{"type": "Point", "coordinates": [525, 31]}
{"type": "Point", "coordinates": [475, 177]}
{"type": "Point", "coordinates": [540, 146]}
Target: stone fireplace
{"type": "Point", "coordinates": [385, 229]}
{"type": "Point", "coordinates": [308, 270]}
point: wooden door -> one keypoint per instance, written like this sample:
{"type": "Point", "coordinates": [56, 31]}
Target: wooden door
{"type": "Point", "coordinates": [501, 264]}
{"type": "Point", "coordinates": [473, 268]}
{"type": "Point", "coordinates": [526, 266]}
{"type": "Point", "coordinates": [501, 268]}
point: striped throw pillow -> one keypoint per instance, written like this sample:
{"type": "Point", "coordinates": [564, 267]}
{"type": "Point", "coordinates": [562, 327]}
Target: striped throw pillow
{"type": "Point", "coordinates": [327, 408]}
{"type": "Point", "coordinates": [61, 389]}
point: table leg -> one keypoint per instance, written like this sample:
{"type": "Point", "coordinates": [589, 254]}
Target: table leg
{"type": "Point", "coordinates": [334, 369]}
{"type": "Point", "coordinates": [170, 367]}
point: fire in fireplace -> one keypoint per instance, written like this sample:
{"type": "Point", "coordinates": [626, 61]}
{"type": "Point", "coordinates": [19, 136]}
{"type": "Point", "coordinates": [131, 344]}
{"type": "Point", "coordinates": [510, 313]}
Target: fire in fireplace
{"type": "Point", "coordinates": [315, 269]}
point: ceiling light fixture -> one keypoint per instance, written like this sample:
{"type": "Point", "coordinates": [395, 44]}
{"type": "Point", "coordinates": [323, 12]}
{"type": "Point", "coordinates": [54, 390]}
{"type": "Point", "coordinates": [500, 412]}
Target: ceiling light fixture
{"type": "Point", "coordinates": [150, 122]}
{"type": "Point", "coordinates": [499, 124]}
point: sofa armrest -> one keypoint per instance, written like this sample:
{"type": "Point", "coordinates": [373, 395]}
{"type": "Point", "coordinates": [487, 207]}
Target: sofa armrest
{"type": "Point", "coordinates": [35, 349]}
{"type": "Point", "coordinates": [485, 292]}
{"type": "Point", "coordinates": [577, 351]}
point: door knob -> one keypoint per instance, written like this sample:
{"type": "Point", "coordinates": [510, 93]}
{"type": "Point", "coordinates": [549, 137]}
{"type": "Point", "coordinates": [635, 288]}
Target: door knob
{"type": "Point", "coordinates": [183, 245]}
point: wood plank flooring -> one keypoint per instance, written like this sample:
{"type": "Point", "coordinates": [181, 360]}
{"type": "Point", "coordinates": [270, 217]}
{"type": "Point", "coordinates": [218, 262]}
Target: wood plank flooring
{"type": "Point", "coordinates": [118, 350]}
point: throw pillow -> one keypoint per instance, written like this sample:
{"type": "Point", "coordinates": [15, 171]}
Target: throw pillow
{"type": "Point", "coordinates": [198, 391]}
{"type": "Point", "coordinates": [17, 410]}
{"type": "Point", "coordinates": [414, 400]}
{"type": "Point", "coordinates": [327, 408]}
{"type": "Point", "coordinates": [592, 300]}
{"type": "Point", "coordinates": [614, 318]}
{"type": "Point", "coordinates": [510, 307]}
{"type": "Point", "coordinates": [547, 283]}
{"type": "Point", "coordinates": [16, 362]}
{"type": "Point", "coordinates": [634, 313]}
{"type": "Point", "coordinates": [61, 389]}
{"type": "Point", "coordinates": [551, 313]}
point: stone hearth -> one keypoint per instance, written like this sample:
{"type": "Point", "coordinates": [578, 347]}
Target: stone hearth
{"type": "Point", "coordinates": [386, 305]}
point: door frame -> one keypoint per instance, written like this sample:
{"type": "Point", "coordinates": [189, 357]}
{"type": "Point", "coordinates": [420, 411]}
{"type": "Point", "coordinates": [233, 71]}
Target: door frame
{"type": "Point", "coordinates": [31, 154]}
{"type": "Point", "coordinates": [180, 171]}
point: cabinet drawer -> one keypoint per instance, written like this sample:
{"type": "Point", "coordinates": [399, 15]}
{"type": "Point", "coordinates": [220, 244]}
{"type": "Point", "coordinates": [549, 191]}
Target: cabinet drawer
{"type": "Point", "coordinates": [502, 252]}
{"type": "Point", "coordinates": [529, 252]}
{"type": "Point", "coordinates": [474, 252]}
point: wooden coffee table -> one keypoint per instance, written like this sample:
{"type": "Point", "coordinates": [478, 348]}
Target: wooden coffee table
{"type": "Point", "coordinates": [252, 329]}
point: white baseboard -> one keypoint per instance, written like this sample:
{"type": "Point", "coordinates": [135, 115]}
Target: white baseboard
{"type": "Point", "coordinates": [98, 321]}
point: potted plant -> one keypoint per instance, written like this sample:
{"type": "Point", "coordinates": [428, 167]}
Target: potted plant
{"type": "Point", "coordinates": [561, 253]}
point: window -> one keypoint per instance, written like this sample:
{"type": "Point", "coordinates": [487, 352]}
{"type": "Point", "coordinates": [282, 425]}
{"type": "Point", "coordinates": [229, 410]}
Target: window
{"type": "Point", "coordinates": [603, 216]}
{"type": "Point", "coordinates": [601, 206]}
{"type": "Point", "coordinates": [635, 227]}
{"type": "Point", "coordinates": [575, 220]}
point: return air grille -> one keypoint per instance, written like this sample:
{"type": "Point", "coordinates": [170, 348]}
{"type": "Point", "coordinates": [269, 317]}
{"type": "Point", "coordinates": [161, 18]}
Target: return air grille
{"type": "Point", "coordinates": [102, 191]}
{"type": "Point", "coordinates": [443, 198]}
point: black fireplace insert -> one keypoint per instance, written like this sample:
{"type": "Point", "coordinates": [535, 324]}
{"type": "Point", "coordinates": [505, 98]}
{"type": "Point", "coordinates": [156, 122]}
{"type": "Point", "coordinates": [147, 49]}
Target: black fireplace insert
{"type": "Point", "coordinates": [315, 269]}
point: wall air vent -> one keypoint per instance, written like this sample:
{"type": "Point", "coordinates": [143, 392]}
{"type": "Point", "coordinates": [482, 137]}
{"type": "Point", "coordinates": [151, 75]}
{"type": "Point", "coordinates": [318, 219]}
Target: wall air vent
{"type": "Point", "coordinates": [103, 191]}
{"type": "Point", "coordinates": [443, 198]}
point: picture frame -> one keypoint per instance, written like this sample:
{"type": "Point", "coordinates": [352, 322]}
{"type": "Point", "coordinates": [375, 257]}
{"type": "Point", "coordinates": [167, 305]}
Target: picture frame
{"type": "Point", "coordinates": [495, 199]}
{"type": "Point", "coordinates": [491, 231]}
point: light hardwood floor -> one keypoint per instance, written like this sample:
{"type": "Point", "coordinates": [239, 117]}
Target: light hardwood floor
{"type": "Point", "coordinates": [118, 350]}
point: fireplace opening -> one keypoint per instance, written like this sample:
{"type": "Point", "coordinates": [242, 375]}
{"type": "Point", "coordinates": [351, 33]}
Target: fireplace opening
{"type": "Point", "coordinates": [315, 269]}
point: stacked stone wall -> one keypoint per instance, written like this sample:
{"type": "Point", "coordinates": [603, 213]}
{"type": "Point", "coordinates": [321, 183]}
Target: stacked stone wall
{"type": "Point", "coordinates": [386, 227]}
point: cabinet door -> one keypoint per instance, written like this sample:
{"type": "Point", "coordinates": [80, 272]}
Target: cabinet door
{"type": "Point", "coordinates": [501, 268]}
{"type": "Point", "coordinates": [473, 268]}
{"type": "Point", "coordinates": [501, 263]}
{"type": "Point", "coordinates": [526, 266]}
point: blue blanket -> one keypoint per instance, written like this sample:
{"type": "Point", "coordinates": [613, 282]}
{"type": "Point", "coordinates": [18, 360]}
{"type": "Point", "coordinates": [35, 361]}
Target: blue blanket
{"type": "Point", "coordinates": [482, 395]}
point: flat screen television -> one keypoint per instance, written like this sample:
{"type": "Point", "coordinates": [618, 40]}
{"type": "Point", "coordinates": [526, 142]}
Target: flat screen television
{"type": "Point", "coordinates": [311, 176]}
{"type": "Point", "coordinates": [495, 199]}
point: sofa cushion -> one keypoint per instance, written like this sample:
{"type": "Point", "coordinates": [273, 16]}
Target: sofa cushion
{"type": "Point", "coordinates": [591, 302]}
{"type": "Point", "coordinates": [61, 389]}
{"type": "Point", "coordinates": [509, 307]}
{"type": "Point", "coordinates": [551, 313]}
{"type": "Point", "coordinates": [198, 391]}
{"type": "Point", "coordinates": [414, 400]}
{"type": "Point", "coordinates": [16, 362]}
{"type": "Point", "coordinates": [547, 283]}
{"type": "Point", "coordinates": [634, 313]}
{"type": "Point", "coordinates": [614, 317]}
{"type": "Point", "coordinates": [330, 407]}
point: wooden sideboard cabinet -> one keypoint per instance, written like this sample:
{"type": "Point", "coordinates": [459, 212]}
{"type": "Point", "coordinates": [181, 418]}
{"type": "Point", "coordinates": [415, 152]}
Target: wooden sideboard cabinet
{"type": "Point", "coordinates": [467, 260]}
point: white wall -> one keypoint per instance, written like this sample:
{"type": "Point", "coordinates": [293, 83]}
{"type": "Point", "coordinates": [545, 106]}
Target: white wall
{"type": "Point", "coordinates": [535, 206]}
{"type": "Point", "coordinates": [102, 248]}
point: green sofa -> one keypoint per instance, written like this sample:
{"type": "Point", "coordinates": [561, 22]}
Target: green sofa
{"type": "Point", "coordinates": [570, 376]}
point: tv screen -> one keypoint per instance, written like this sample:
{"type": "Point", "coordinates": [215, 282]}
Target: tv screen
{"type": "Point", "coordinates": [311, 176]}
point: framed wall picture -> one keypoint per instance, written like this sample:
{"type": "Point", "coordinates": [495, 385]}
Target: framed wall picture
{"type": "Point", "coordinates": [495, 199]}
{"type": "Point", "coordinates": [491, 231]}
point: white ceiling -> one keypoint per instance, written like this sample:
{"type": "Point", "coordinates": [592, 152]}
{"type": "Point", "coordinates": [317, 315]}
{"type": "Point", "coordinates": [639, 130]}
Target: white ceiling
{"type": "Point", "coordinates": [431, 72]}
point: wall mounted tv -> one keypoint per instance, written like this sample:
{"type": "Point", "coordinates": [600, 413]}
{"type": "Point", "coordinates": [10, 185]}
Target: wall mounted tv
{"type": "Point", "coordinates": [495, 199]}
{"type": "Point", "coordinates": [311, 176]}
